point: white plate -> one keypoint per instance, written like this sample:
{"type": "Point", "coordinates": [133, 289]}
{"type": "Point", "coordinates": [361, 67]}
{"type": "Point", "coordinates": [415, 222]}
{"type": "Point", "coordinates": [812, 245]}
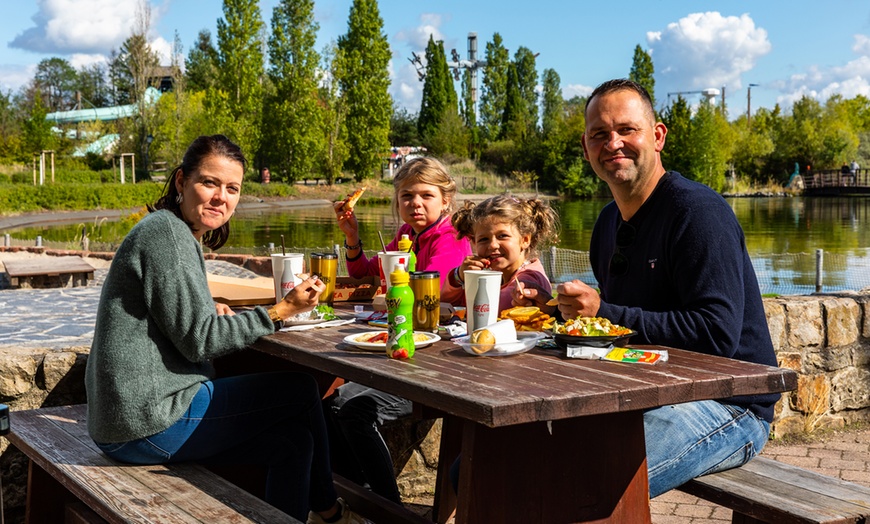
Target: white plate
{"type": "Point", "coordinates": [431, 338]}
{"type": "Point", "coordinates": [526, 340]}
{"type": "Point", "coordinates": [307, 322]}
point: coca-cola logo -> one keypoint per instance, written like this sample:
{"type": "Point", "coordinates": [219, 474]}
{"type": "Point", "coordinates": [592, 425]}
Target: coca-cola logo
{"type": "Point", "coordinates": [481, 308]}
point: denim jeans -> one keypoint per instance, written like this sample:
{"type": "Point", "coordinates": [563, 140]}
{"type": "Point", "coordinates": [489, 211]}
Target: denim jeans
{"type": "Point", "coordinates": [684, 441]}
{"type": "Point", "coordinates": [360, 451]}
{"type": "Point", "coordinates": [268, 419]}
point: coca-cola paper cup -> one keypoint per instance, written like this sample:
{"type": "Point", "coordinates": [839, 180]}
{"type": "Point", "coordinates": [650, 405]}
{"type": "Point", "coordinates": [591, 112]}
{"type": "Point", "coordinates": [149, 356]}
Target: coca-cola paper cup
{"type": "Point", "coordinates": [482, 289]}
{"type": "Point", "coordinates": [296, 261]}
{"type": "Point", "coordinates": [388, 261]}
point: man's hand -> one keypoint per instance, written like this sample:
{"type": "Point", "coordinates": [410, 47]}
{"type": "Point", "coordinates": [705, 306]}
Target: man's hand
{"type": "Point", "coordinates": [530, 294]}
{"type": "Point", "coordinates": [576, 299]}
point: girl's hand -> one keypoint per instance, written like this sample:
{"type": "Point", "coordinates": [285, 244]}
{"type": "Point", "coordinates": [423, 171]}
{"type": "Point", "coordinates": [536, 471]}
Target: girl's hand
{"type": "Point", "coordinates": [530, 294]}
{"type": "Point", "coordinates": [473, 263]}
{"type": "Point", "coordinates": [302, 298]}
{"type": "Point", "coordinates": [347, 222]}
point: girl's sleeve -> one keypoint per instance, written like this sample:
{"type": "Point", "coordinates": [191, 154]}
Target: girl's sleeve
{"type": "Point", "coordinates": [364, 266]}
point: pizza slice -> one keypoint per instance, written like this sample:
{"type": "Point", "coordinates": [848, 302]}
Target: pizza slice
{"type": "Point", "coordinates": [351, 201]}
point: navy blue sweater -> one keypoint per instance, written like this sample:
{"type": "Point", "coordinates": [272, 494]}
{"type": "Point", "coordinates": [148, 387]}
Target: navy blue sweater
{"type": "Point", "coordinates": [689, 282]}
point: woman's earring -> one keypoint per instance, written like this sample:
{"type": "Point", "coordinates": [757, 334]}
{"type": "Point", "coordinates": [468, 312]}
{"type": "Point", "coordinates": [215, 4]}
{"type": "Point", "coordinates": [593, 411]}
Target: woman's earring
{"type": "Point", "coordinates": [179, 199]}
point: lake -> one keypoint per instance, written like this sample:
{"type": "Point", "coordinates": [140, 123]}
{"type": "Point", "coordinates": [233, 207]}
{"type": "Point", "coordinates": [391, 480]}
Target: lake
{"type": "Point", "coordinates": [782, 236]}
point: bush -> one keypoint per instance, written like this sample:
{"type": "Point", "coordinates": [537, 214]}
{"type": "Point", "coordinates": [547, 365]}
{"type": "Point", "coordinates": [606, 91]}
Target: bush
{"type": "Point", "coordinates": [29, 198]}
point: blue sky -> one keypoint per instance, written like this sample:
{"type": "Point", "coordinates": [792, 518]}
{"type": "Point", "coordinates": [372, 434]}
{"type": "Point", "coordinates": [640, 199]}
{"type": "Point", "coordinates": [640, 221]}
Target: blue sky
{"type": "Point", "coordinates": [790, 48]}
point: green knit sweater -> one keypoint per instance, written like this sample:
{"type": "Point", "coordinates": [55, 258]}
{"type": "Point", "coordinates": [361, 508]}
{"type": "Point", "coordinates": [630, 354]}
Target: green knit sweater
{"type": "Point", "coordinates": [156, 331]}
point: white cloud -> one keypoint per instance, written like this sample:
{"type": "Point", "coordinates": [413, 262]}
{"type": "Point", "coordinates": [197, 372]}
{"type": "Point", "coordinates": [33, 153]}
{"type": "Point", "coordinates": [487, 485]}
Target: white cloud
{"type": "Point", "coordinates": [13, 77]}
{"type": "Point", "coordinates": [861, 45]}
{"type": "Point", "coordinates": [849, 80]}
{"type": "Point", "coordinates": [406, 87]}
{"type": "Point", "coordinates": [572, 90]}
{"type": "Point", "coordinates": [704, 50]}
{"type": "Point", "coordinates": [64, 27]}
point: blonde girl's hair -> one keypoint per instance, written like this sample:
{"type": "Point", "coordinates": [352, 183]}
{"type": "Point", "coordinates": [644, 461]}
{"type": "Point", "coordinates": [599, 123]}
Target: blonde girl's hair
{"type": "Point", "coordinates": [425, 170]}
{"type": "Point", "coordinates": [532, 217]}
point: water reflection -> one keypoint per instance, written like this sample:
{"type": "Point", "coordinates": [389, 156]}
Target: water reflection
{"type": "Point", "coordinates": [782, 235]}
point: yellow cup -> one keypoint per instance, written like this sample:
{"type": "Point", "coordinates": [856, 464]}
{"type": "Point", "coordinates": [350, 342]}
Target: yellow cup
{"type": "Point", "coordinates": [426, 286]}
{"type": "Point", "coordinates": [325, 266]}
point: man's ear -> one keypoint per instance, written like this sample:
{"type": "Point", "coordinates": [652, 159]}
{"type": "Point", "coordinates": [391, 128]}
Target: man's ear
{"type": "Point", "coordinates": [583, 143]}
{"type": "Point", "coordinates": [660, 132]}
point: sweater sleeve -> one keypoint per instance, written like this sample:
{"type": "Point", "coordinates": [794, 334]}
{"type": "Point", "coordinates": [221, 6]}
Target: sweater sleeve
{"type": "Point", "coordinates": [364, 266]}
{"type": "Point", "coordinates": [178, 300]}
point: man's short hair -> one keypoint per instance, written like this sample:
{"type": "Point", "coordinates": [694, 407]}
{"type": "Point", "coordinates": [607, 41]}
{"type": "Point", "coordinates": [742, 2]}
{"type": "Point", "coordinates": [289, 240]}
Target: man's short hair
{"type": "Point", "coordinates": [622, 84]}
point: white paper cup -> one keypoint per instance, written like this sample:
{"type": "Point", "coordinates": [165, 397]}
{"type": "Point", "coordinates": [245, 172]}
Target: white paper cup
{"type": "Point", "coordinates": [480, 315]}
{"type": "Point", "coordinates": [388, 263]}
{"type": "Point", "coordinates": [296, 260]}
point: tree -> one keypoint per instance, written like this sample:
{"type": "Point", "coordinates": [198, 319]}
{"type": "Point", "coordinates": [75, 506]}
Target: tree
{"type": "Point", "coordinates": [553, 105]}
{"type": "Point", "coordinates": [334, 129]}
{"type": "Point", "coordinates": [513, 125]}
{"type": "Point", "coordinates": [36, 130]}
{"type": "Point", "coordinates": [677, 153]}
{"type": "Point", "coordinates": [91, 83]}
{"type": "Point", "coordinates": [527, 82]}
{"type": "Point", "coordinates": [201, 63]}
{"type": "Point", "coordinates": [10, 127]}
{"type": "Point", "coordinates": [237, 100]}
{"type": "Point", "coordinates": [439, 96]}
{"type": "Point", "coordinates": [56, 79]}
{"type": "Point", "coordinates": [642, 72]}
{"type": "Point", "coordinates": [493, 95]}
{"type": "Point", "coordinates": [709, 147]}
{"type": "Point", "coordinates": [365, 55]}
{"type": "Point", "coordinates": [403, 127]}
{"type": "Point", "coordinates": [293, 129]}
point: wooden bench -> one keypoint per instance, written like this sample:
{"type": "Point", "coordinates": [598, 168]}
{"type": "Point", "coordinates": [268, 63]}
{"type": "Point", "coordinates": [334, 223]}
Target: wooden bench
{"type": "Point", "coordinates": [765, 490]}
{"type": "Point", "coordinates": [49, 272]}
{"type": "Point", "coordinates": [70, 480]}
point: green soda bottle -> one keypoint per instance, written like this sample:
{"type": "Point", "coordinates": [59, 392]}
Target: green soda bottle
{"type": "Point", "coordinates": [400, 315]}
{"type": "Point", "coordinates": [405, 244]}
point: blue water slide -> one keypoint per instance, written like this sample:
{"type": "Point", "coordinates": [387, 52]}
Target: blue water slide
{"type": "Point", "coordinates": [103, 114]}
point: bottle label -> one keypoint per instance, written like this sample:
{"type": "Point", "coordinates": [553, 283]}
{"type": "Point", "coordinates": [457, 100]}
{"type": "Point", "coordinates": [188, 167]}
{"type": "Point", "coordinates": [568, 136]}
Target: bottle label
{"type": "Point", "coordinates": [393, 303]}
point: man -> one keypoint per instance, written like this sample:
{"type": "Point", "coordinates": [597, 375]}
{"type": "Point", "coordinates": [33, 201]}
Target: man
{"type": "Point", "coordinates": [671, 262]}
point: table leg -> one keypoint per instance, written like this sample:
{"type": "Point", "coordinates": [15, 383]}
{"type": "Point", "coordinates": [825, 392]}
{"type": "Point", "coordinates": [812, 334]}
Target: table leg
{"type": "Point", "coordinates": [586, 469]}
{"type": "Point", "coordinates": [451, 443]}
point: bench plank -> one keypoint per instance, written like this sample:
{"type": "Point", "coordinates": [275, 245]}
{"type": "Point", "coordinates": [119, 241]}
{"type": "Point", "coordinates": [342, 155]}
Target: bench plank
{"type": "Point", "coordinates": [50, 267]}
{"type": "Point", "coordinates": [772, 491]}
{"type": "Point", "coordinates": [56, 440]}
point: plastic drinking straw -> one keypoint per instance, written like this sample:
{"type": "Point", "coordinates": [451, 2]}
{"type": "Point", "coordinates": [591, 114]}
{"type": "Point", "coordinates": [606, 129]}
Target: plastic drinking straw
{"type": "Point", "coordinates": [382, 241]}
{"type": "Point", "coordinates": [283, 251]}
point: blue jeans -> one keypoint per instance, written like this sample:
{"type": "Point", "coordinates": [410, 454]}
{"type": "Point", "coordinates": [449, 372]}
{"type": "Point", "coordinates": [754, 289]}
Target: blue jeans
{"type": "Point", "coordinates": [267, 419]}
{"type": "Point", "coordinates": [684, 441]}
{"type": "Point", "coordinates": [361, 454]}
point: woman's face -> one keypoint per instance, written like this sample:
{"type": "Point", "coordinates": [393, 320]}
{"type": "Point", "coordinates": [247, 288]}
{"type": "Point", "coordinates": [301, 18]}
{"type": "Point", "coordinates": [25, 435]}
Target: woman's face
{"type": "Point", "coordinates": [420, 205]}
{"type": "Point", "coordinates": [211, 194]}
{"type": "Point", "coordinates": [502, 244]}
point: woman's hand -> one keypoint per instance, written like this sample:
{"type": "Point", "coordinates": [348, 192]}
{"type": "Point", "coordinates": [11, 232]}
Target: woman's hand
{"type": "Point", "coordinates": [302, 298]}
{"type": "Point", "coordinates": [223, 309]}
{"type": "Point", "coordinates": [576, 299]}
{"type": "Point", "coordinates": [347, 223]}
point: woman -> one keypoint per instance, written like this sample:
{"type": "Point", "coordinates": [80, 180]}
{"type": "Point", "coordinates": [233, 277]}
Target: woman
{"type": "Point", "coordinates": [424, 199]}
{"type": "Point", "coordinates": [151, 393]}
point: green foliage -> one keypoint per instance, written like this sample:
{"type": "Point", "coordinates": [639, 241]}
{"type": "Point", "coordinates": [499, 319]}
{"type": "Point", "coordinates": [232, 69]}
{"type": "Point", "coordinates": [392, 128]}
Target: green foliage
{"type": "Point", "coordinates": [56, 80]}
{"type": "Point", "coordinates": [512, 121]}
{"type": "Point", "coordinates": [293, 138]}
{"type": "Point", "coordinates": [642, 72]}
{"type": "Point", "coordinates": [493, 97]}
{"type": "Point", "coordinates": [365, 55]}
{"type": "Point", "coordinates": [499, 156]}
{"type": "Point", "coordinates": [578, 182]}
{"type": "Point", "coordinates": [403, 127]}
{"type": "Point", "coordinates": [439, 96]}
{"type": "Point", "coordinates": [451, 138]}
{"type": "Point", "coordinates": [527, 83]}
{"type": "Point", "coordinates": [76, 196]}
{"type": "Point", "coordinates": [240, 73]}
{"type": "Point", "coordinates": [334, 131]}
{"type": "Point", "coordinates": [553, 105]}
{"type": "Point", "coordinates": [200, 67]}
{"type": "Point", "coordinates": [36, 129]}
{"type": "Point", "coordinates": [677, 154]}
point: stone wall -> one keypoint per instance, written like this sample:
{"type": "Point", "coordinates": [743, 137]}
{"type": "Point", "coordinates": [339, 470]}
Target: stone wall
{"type": "Point", "coordinates": [825, 338]}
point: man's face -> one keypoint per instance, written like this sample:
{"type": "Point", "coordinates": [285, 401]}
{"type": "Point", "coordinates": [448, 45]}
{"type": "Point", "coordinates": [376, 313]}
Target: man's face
{"type": "Point", "coordinates": [622, 140]}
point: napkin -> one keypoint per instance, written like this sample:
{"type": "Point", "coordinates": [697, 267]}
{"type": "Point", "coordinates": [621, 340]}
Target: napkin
{"type": "Point", "coordinates": [588, 352]}
{"type": "Point", "coordinates": [328, 323]}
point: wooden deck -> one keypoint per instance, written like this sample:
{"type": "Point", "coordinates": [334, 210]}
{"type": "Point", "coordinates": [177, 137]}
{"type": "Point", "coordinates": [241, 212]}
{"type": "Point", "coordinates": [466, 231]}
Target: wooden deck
{"type": "Point", "coordinates": [832, 182]}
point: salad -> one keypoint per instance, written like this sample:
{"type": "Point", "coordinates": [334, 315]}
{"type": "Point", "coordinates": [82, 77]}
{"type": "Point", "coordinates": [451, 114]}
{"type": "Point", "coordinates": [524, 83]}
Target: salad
{"type": "Point", "coordinates": [320, 312]}
{"type": "Point", "coordinates": [590, 327]}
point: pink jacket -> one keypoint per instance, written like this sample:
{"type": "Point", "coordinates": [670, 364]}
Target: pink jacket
{"type": "Point", "coordinates": [532, 273]}
{"type": "Point", "coordinates": [437, 249]}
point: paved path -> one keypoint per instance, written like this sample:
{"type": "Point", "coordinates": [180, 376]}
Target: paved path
{"type": "Point", "coordinates": [64, 317]}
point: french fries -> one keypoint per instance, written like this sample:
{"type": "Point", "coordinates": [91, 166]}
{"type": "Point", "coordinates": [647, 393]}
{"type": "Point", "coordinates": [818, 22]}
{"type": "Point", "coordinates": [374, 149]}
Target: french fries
{"type": "Point", "coordinates": [528, 318]}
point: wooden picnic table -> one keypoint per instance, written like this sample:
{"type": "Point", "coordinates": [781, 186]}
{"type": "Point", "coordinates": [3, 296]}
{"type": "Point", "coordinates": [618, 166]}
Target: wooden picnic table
{"type": "Point", "coordinates": [49, 272]}
{"type": "Point", "coordinates": [543, 438]}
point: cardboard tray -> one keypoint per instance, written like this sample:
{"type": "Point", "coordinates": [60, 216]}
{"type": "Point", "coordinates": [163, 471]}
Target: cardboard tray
{"type": "Point", "coordinates": [355, 289]}
{"type": "Point", "coordinates": [234, 291]}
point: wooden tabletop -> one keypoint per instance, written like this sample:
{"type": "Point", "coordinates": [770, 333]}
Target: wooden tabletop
{"type": "Point", "coordinates": [51, 266]}
{"type": "Point", "coordinates": [539, 385]}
